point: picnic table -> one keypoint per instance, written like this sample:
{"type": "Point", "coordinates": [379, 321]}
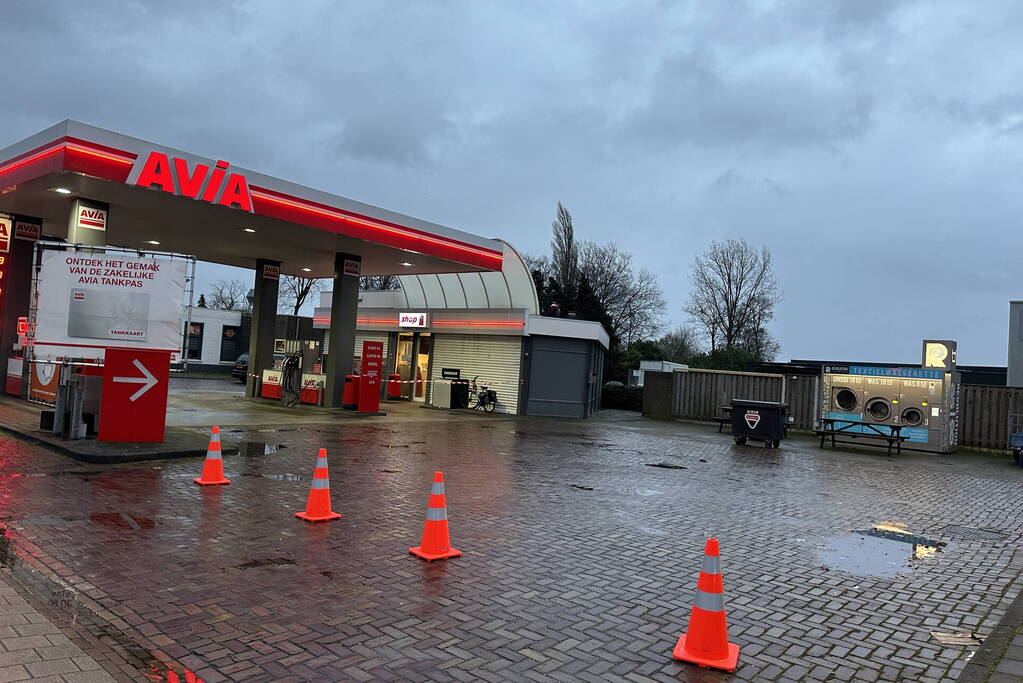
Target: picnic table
{"type": "Point", "coordinates": [860, 429]}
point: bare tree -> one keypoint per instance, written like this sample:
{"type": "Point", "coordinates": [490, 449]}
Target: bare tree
{"type": "Point", "coordinates": [681, 344]}
{"type": "Point", "coordinates": [633, 300]}
{"type": "Point", "coordinates": [733, 294]}
{"type": "Point", "coordinates": [294, 291]}
{"type": "Point", "coordinates": [379, 283]}
{"type": "Point", "coordinates": [564, 252]}
{"type": "Point", "coordinates": [541, 264]}
{"type": "Point", "coordinates": [228, 295]}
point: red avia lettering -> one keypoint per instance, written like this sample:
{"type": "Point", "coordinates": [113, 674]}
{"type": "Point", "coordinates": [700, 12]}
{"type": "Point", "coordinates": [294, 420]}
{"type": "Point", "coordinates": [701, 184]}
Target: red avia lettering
{"type": "Point", "coordinates": [159, 172]}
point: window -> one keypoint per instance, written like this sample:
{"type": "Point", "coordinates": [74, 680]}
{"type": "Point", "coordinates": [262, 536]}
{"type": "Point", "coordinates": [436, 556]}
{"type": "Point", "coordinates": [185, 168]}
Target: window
{"type": "Point", "coordinates": [230, 339]}
{"type": "Point", "coordinates": [193, 343]}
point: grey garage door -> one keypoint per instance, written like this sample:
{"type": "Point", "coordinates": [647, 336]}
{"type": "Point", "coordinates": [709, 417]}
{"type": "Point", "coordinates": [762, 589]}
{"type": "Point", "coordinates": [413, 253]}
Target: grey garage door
{"type": "Point", "coordinates": [558, 376]}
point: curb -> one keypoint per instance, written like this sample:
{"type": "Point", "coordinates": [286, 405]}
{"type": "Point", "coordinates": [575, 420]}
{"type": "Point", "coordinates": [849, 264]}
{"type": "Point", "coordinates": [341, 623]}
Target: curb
{"type": "Point", "coordinates": [103, 458]}
{"type": "Point", "coordinates": [991, 651]}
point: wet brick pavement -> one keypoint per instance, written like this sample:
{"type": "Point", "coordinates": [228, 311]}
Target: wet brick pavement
{"type": "Point", "coordinates": [34, 648]}
{"type": "Point", "coordinates": [557, 582]}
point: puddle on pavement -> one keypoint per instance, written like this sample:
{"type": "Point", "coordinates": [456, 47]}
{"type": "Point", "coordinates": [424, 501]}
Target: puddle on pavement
{"type": "Point", "coordinates": [259, 448]}
{"type": "Point", "coordinates": [122, 520]}
{"type": "Point", "coordinates": [266, 562]}
{"type": "Point", "coordinates": [666, 465]}
{"type": "Point", "coordinates": [886, 549]}
{"type": "Point", "coordinates": [283, 477]}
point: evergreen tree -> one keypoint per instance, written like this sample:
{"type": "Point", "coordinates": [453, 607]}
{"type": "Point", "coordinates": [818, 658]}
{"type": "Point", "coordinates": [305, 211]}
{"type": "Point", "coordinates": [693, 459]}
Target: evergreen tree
{"type": "Point", "coordinates": [202, 301]}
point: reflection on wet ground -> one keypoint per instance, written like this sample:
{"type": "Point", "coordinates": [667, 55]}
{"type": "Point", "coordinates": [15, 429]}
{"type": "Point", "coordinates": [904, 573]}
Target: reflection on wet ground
{"type": "Point", "coordinates": [887, 549]}
{"type": "Point", "coordinates": [251, 448]}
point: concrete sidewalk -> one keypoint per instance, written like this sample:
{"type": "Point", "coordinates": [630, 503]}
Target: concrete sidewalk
{"type": "Point", "coordinates": [32, 648]}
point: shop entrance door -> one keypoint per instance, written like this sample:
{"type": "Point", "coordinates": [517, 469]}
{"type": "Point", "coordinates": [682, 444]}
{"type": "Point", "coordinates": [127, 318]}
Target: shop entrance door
{"type": "Point", "coordinates": [424, 344]}
{"type": "Point", "coordinates": [412, 364]}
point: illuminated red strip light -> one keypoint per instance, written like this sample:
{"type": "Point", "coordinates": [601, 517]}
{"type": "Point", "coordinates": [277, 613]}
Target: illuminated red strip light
{"type": "Point", "coordinates": [479, 323]}
{"type": "Point", "coordinates": [277, 205]}
{"type": "Point", "coordinates": [436, 323]}
{"type": "Point", "coordinates": [68, 154]}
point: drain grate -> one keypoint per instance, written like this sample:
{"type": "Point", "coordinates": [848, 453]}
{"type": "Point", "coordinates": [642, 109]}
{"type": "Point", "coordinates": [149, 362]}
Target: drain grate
{"type": "Point", "coordinates": [969, 533]}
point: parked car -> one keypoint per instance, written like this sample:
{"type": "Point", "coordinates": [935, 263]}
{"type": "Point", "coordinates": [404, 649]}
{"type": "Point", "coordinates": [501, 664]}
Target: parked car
{"type": "Point", "coordinates": [240, 370]}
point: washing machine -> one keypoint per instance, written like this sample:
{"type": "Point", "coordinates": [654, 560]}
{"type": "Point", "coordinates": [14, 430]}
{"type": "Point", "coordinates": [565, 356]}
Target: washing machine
{"type": "Point", "coordinates": [843, 396]}
{"type": "Point", "coordinates": [922, 402]}
{"type": "Point", "coordinates": [882, 400]}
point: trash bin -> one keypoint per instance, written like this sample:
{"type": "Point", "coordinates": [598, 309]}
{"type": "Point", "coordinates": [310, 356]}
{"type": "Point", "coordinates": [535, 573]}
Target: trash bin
{"type": "Point", "coordinates": [759, 421]}
{"type": "Point", "coordinates": [350, 394]}
{"type": "Point", "coordinates": [394, 387]}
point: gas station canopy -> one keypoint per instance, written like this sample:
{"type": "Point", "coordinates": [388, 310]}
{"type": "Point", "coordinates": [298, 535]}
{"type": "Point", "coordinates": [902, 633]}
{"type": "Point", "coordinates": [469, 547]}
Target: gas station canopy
{"type": "Point", "coordinates": [219, 212]}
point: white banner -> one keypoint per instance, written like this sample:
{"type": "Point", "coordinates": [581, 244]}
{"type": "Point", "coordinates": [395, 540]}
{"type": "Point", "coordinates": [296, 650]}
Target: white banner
{"type": "Point", "coordinates": [88, 302]}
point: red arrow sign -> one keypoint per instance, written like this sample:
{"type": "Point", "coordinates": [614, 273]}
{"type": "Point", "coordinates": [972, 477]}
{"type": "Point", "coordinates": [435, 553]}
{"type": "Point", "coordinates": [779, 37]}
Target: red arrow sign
{"type": "Point", "coordinates": [134, 405]}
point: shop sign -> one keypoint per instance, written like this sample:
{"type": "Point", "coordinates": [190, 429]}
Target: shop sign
{"type": "Point", "coordinates": [352, 267]}
{"type": "Point", "coordinates": [27, 230]}
{"type": "Point", "coordinates": [271, 272]}
{"type": "Point", "coordinates": [414, 320]}
{"type": "Point", "coordinates": [197, 182]}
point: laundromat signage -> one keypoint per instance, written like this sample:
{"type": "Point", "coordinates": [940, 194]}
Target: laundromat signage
{"type": "Point", "coordinates": [413, 320]}
{"type": "Point", "coordinates": [214, 185]}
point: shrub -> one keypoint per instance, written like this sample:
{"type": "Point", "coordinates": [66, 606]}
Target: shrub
{"type": "Point", "coordinates": [622, 398]}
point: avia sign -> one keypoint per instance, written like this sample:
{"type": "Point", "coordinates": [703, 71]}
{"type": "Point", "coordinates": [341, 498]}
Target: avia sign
{"type": "Point", "coordinates": [752, 418]}
{"type": "Point", "coordinates": [214, 185]}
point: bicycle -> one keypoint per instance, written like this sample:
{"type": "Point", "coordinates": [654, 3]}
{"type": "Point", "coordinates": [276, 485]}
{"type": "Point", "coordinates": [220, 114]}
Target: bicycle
{"type": "Point", "coordinates": [480, 397]}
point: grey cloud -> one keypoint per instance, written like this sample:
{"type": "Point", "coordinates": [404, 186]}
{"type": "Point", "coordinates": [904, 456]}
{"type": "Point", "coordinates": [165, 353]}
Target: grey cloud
{"type": "Point", "coordinates": [695, 100]}
{"type": "Point", "coordinates": [733, 180]}
{"type": "Point", "coordinates": [871, 145]}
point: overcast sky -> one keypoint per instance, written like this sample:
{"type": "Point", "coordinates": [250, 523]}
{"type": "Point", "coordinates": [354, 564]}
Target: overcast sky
{"type": "Point", "coordinates": [874, 147]}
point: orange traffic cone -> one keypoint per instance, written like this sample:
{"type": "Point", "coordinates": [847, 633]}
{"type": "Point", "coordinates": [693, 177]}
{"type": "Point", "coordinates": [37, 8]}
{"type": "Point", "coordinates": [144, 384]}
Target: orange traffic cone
{"type": "Point", "coordinates": [213, 468]}
{"type": "Point", "coordinates": [317, 508]}
{"type": "Point", "coordinates": [705, 642]}
{"type": "Point", "coordinates": [436, 543]}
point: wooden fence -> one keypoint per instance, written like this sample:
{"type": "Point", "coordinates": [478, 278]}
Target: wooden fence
{"type": "Point", "coordinates": [984, 415]}
{"type": "Point", "coordinates": [699, 395]}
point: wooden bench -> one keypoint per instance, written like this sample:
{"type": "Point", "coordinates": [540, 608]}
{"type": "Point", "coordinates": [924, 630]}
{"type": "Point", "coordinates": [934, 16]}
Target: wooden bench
{"type": "Point", "coordinates": [725, 418]}
{"type": "Point", "coordinates": [857, 429]}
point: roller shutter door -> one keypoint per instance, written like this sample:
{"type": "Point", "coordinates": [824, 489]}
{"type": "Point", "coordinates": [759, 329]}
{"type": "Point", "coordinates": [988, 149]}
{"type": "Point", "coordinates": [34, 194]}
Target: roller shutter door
{"type": "Point", "coordinates": [495, 359]}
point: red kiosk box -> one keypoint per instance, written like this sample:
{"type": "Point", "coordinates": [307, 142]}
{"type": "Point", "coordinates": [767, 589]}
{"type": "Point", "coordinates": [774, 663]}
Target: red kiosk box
{"type": "Point", "coordinates": [312, 388]}
{"type": "Point", "coordinates": [134, 404]}
{"type": "Point", "coordinates": [369, 379]}
{"type": "Point", "coordinates": [271, 386]}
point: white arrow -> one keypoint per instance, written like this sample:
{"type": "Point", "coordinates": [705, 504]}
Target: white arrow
{"type": "Point", "coordinates": [148, 381]}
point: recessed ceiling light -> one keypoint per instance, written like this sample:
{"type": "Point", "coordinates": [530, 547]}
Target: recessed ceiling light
{"type": "Point", "coordinates": [405, 263]}
{"type": "Point", "coordinates": [61, 190]}
{"type": "Point", "coordinates": [151, 242]}
{"type": "Point", "coordinates": [249, 229]}
{"type": "Point", "coordinates": [306, 270]}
